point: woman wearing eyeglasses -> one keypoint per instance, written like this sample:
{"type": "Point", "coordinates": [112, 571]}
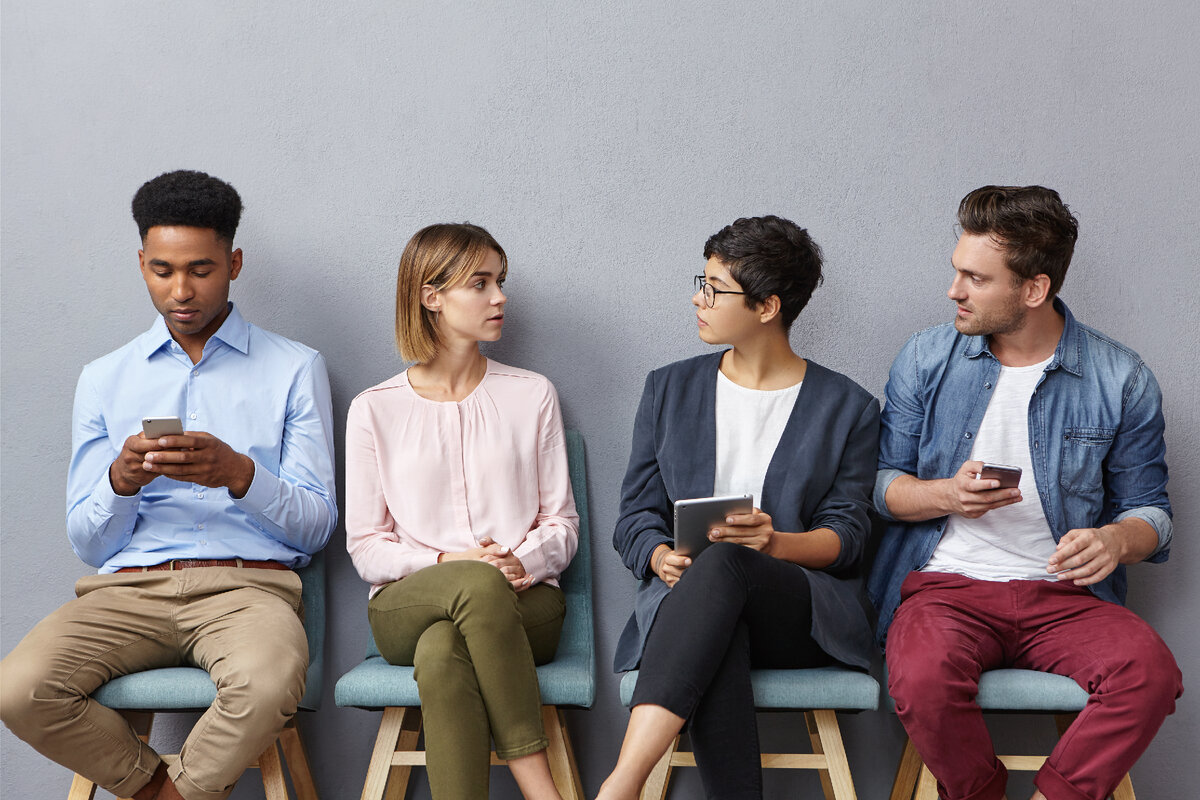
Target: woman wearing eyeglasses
{"type": "Point", "coordinates": [459, 512]}
{"type": "Point", "coordinates": [779, 587]}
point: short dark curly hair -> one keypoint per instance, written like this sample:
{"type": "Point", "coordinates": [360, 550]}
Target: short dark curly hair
{"type": "Point", "coordinates": [770, 256]}
{"type": "Point", "coordinates": [190, 198]}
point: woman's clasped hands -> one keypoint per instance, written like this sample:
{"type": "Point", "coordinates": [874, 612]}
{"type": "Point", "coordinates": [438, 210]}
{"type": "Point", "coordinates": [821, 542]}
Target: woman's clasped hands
{"type": "Point", "coordinates": [500, 557]}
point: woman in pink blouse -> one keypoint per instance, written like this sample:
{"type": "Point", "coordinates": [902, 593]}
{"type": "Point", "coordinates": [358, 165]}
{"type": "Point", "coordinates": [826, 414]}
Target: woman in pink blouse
{"type": "Point", "coordinates": [459, 513]}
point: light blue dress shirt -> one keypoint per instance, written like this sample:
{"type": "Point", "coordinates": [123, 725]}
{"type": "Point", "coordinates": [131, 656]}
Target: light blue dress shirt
{"type": "Point", "coordinates": [265, 396]}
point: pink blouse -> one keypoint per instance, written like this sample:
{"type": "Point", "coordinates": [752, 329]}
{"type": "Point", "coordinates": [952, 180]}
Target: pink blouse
{"type": "Point", "coordinates": [425, 477]}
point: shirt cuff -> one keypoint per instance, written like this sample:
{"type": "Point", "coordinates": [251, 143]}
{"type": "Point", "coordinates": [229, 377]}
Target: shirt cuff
{"type": "Point", "coordinates": [115, 504]}
{"type": "Point", "coordinates": [1158, 519]}
{"type": "Point", "coordinates": [883, 479]}
{"type": "Point", "coordinates": [532, 560]}
{"type": "Point", "coordinates": [264, 488]}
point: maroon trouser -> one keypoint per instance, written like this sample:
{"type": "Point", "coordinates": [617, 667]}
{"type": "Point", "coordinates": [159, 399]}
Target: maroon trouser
{"type": "Point", "coordinates": [950, 628]}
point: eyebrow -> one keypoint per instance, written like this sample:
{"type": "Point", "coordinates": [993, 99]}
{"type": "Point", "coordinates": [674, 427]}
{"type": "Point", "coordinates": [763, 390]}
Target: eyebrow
{"type": "Point", "coordinates": [200, 262]}
{"type": "Point", "coordinates": [716, 279]}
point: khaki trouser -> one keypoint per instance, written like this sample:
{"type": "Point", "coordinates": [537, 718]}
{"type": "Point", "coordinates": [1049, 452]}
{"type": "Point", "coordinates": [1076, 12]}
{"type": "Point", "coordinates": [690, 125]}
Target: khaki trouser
{"type": "Point", "coordinates": [474, 643]}
{"type": "Point", "coordinates": [241, 625]}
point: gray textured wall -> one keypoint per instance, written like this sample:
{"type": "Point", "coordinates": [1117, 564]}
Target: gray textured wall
{"type": "Point", "coordinates": [601, 144]}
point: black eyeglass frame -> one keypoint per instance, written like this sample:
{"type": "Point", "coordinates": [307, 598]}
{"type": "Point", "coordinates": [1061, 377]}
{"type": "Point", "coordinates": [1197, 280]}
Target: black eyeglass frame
{"type": "Point", "coordinates": [709, 291]}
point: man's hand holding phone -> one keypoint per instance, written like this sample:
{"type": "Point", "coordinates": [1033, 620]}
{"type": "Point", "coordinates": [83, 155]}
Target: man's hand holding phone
{"type": "Point", "coordinates": [192, 457]}
{"type": "Point", "coordinates": [972, 493]}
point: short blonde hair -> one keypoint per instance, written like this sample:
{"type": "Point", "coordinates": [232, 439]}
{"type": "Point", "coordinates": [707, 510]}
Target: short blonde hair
{"type": "Point", "coordinates": [441, 256]}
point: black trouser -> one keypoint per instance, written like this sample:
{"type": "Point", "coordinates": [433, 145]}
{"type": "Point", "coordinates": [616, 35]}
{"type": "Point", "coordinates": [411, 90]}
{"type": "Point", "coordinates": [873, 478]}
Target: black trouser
{"type": "Point", "coordinates": [733, 608]}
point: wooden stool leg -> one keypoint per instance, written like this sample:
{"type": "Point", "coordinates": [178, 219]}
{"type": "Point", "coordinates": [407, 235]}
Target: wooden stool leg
{"type": "Point", "coordinates": [1124, 790]}
{"type": "Point", "coordinates": [395, 722]}
{"type": "Point", "coordinates": [830, 736]}
{"type": "Point", "coordinates": [297, 762]}
{"type": "Point", "coordinates": [81, 789]}
{"type": "Point", "coordinates": [660, 776]}
{"type": "Point", "coordinates": [561, 756]}
{"type": "Point", "coordinates": [274, 787]}
{"type": "Point", "coordinates": [927, 785]}
{"type": "Point", "coordinates": [907, 773]}
{"type": "Point", "coordinates": [815, 737]}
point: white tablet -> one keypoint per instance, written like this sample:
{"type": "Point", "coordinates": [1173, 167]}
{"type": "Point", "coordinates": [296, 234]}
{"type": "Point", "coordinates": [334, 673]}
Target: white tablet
{"type": "Point", "coordinates": [696, 517]}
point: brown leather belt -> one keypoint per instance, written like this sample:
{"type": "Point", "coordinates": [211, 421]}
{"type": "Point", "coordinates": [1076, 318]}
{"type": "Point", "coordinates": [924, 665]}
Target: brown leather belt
{"type": "Point", "coordinates": [189, 563]}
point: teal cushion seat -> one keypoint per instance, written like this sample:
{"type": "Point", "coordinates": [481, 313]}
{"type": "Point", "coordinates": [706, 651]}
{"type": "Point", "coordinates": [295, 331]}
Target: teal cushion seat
{"type": "Point", "coordinates": [835, 688]}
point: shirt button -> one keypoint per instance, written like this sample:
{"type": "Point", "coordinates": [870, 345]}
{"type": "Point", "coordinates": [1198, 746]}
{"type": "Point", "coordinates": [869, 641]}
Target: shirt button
{"type": "Point", "coordinates": [192, 415]}
{"type": "Point", "coordinates": [195, 372]}
{"type": "Point", "coordinates": [986, 385]}
{"type": "Point", "coordinates": [967, 435]}
{"type": "Point", "coordinates": [199, 495]}
{"type": "Point", "coordinates": [200, 526]}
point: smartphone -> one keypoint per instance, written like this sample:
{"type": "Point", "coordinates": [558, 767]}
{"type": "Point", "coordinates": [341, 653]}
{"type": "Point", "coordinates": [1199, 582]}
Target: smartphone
{"type": "Point", "coordinates": [696, 517]}
{"type": "Point", "coordinates": [1009, 477]}
{"type": "Point", "coordinates": [155, 427]}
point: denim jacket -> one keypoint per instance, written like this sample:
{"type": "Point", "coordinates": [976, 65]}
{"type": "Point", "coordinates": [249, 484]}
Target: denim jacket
{"type": "Point", "coordinates": [1095, 440]}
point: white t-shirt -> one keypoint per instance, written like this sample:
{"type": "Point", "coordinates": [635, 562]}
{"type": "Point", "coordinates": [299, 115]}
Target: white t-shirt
{"type": "Point", "coordinates": [1013, 542]}
{"type": "Point", "coordinates": [750, 423]}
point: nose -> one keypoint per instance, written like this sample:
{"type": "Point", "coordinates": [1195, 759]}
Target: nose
{"type": "Point", "coordinates": [698, 299]}
{"type": "Point", "coordinates": [956, 291]}
{"type": "Point", "coordinates": [499, 298]}
{"type": "Point", "coordinates": [181, 287]}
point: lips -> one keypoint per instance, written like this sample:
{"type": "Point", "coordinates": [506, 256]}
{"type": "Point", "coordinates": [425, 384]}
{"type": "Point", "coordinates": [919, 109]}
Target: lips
{"type": "Point", "coordinates": [184, 314]}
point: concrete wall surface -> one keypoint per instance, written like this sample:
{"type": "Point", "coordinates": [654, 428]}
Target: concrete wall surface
{"type": "Point", "coordinates": [601, 143]}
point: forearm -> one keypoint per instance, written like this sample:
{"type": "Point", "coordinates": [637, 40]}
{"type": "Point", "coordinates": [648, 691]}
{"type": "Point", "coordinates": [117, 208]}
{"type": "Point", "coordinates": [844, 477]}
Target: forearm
{"type": "Point", "coordinates": [910, 499]}
{"type": "Point", "coordinates": [815, 549]}
{"type": "Point", "coordinates": [100, 524]}
{"type": "Point", "coordinates": [1136, 539]}
{"type": "Point", "coordinates": [300, 516]}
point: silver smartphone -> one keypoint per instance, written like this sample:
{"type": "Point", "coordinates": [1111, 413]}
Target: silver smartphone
{"type": "Point", "coordinates": [155, 427]}
{"type": "Point", "coordinates": [694, 518]}
{"type": "Point", "coordinates": [1009, 477]}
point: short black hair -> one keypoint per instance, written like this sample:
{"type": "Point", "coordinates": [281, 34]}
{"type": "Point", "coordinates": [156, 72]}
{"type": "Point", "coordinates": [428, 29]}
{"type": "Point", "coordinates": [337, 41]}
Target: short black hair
{"type": "Point", "coordinates": [190, 198]}
{"type": "Point", "coordinates": [770, 256]}
{"type": "Point", "coordinates": [1032, 224]}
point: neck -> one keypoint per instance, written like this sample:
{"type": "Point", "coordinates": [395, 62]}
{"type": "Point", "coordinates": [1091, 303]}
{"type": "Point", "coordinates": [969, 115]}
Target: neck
{"type": "Point", "coordinates": [451, 375]}
{"type": "Point", "coordinates": [764, 362]}
{"type": "Point", "coordinates": [1033, 342]}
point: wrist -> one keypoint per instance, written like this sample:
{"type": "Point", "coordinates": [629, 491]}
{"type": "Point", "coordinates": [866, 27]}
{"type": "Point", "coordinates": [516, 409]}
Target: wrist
{"type": "Point", "coordinates": [120, 486]}
{"type": "Point", "coordinates": [244, 477]}
{"type": "Point", "coordinates": [657, 556]}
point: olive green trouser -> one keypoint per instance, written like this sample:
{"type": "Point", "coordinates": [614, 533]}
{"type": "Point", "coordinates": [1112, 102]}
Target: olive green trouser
{"type": "Point", "coordinates": [474, 642]}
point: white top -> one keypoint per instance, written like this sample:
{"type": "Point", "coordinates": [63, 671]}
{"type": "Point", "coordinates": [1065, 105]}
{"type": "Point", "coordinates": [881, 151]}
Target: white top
{"type": "Point", "coordinates": [1013, 542]}
{"type": "Point", "coordinates": [750, 423]}
{"type": "Point", "coordinates": [425, 477]}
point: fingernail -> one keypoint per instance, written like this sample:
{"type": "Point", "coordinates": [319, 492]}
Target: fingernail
{"type": "Point", "coordinates": [729, 520]}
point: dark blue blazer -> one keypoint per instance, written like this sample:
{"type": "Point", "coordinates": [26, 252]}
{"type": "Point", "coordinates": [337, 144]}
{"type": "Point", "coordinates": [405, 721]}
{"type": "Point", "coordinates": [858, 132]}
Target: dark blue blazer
{"type": "Point", "coordinates": [821, 476]}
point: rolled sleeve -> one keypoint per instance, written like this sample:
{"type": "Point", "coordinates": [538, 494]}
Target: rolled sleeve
{"type": "Point", "coordinates": [1158, 519]}
{"type": "Point", "coordinates": [883, 479]}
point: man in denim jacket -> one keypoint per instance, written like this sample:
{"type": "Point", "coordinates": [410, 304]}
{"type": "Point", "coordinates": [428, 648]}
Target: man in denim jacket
{"type": "Point", "coordinates": [972, 575]}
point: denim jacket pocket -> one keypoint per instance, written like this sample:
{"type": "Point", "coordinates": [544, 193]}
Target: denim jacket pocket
{"type": "Point", "coordinates": [1083, 452]}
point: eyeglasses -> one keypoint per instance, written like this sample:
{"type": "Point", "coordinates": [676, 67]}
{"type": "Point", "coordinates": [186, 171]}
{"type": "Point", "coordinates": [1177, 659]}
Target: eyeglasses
{"type": "Point", "coordinates": [710, 293]}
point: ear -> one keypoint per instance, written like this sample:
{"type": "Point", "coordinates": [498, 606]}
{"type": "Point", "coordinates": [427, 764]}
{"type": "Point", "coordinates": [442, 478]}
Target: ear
{"type": "Point", "coordinates": [142, 260]}
{"type": "Point", "coordinates": [768, 309]}
{"type": "Point", "coordinates": [235, 264]}
{"type": "Point", "coordinates": [1036, 290]}
{"type": "Point", "coordinates": [430, 298]}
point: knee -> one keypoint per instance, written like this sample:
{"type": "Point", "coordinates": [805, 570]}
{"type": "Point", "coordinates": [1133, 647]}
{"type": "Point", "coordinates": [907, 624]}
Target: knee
{"type": "Point", "coordinates": [929, 675]}
{"type": "Point", "coordinates": [1151, 672]}
{"type": "Point", "coordinates": [270, 677]}
{"type": "Point", "coordinates": [480, 585]}
{"type": "Point", "coordinates": [723, 562]}
{"type": "Point", "coordinates": [441, 663]}
{"type": "Point", "coordinates": [27, 696]}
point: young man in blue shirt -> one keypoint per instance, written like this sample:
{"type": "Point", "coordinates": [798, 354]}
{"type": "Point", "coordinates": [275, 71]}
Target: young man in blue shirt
{"type": "Point", "coordinates": [195, 535]}
{"type": "Point", "coordinates": [972, 575]}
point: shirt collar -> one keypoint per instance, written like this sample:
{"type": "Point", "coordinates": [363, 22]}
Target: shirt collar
{"type": "Point", "coordinates": [1068, 353]}
{"type": "Point", "coordinates": [234, 331]}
